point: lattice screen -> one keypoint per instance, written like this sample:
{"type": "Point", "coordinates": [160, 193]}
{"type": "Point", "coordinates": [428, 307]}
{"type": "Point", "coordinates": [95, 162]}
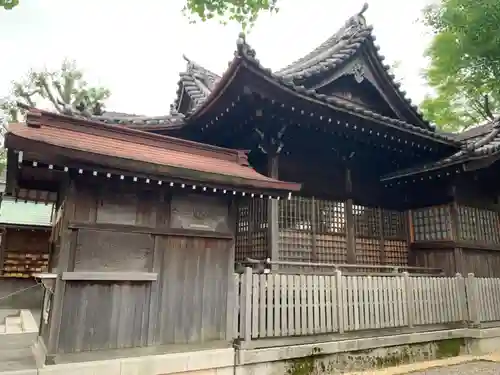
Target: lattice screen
{"type": "Point", "coordinates": [432, 223]}
{"type": "Point", "coordinates": [367, 233]}
{"type": "Point", "coordinates": [478, 225]}
{"type": "Point", "coordinates": [251, 230]}
{"type": "Point", "coordinates": [312, 230]}
{"type": "Point", "coordinates": [331, 245]}
{"type": "Point", "coordinates": [395, 230]}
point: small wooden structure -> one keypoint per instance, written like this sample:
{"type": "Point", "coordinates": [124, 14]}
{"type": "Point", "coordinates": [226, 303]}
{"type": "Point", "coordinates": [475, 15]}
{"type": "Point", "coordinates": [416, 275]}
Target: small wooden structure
{"type": "Point", "coordinates": [24, 250]}
{"type": "Point", "coordinates": [381, 185]}
{"type": "Point", "coordinates": [143, 236]}
{"type": "Point", "coordinates": [26, 230]}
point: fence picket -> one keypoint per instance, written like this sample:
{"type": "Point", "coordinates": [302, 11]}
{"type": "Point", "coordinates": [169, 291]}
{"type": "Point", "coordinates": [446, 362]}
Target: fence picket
{"type": "Point", "coordinates": [263, 279]}
{"type": "Point", "coordinates": [322, 303]}
{"type": "Point", "coordinates": [255, 306]}
{"type": "Point", "coordinates": [297, 302]}
{"type": "Point", "coordinates": [315, 301]}
{"type": "Point", "coordinates": [270, 305]}
{"type": "Point", "coordinates": [290, 304]}
{"type": "Point", "coordinates": [277, 305]}
{"type": "Point", "coordinates": [284, 304]}
{"type": "Point", "coordinates": [377, 300]}
{"type": "Point", "coordinates": [303, 304]}
{"type": "Point", "coordinates": [328, 304]}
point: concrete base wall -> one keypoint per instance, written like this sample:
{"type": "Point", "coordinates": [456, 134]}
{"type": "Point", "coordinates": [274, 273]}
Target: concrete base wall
{"type": "Point", "coordinates": [27, 299]}
{"type": "Point", "coordinates": [311, 359]}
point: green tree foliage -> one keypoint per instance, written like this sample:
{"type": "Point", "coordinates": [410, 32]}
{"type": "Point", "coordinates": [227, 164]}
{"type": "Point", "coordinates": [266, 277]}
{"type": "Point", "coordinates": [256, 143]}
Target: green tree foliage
{"type": "Point", "coordinates": [464, 65]}
{"type": "Point", "coordinates": [245, 12]}
{"type": "Point", "coordinates": [64, 89]}
{"type": "Point", "coordinates": [8, 4]}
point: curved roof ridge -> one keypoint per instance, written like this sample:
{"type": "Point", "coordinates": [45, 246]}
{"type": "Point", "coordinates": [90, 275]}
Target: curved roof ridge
{"type": "Point", "coordinates": [354, 23]}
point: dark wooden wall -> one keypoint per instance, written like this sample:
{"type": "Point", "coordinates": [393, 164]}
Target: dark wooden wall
{"type": "Point", "coordinates": [185, 242]}
{"type": "Point", "coordinates": [457, 237]}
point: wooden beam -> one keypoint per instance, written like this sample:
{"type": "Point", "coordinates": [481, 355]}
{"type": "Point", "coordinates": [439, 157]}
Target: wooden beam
{"type": "Point", "coordinates": [109, 276]}
{"type": "Point", "coordinates": [150, 230]}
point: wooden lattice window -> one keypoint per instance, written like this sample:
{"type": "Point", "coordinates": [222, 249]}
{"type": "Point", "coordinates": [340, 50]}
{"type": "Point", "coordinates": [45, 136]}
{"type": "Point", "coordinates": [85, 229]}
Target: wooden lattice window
{"type": "Point", "coordinates": [432, 223]}
{"type": "Point", "coordinates": [330, 239]}
{"type": "Point", "coordinates": [296, 229]}
{"type": "Point", "coordinates": [367, 234]}
{"type": "Point", "coordinates": [312, 230]}
{"type": "Point", "coordinates": [366, 221]}
{"type": "Point", "coordinates": [251, 230]}
{"type": "Point", "coordinates": [394, 224]}
{"type": "Point", "coordinates": [478, 225]}
{"type": "Point", "coordinates": [396, 252]}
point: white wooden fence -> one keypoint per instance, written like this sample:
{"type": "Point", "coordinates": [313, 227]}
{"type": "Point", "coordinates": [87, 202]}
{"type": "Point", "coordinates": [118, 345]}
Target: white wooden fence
{"type": "Point", "coordinates": [277, 305]}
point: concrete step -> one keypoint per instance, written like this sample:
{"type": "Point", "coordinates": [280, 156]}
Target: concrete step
{"type": "Point", "coordinates": [2, 328]}
{"type": "Point", "coordinates": [17, 341]}
{"type": "Point", "coordinates": [15, 360]}
{"type": "Point", "coordinates": [13, 324]}
{"type": "Point", "coordinates": [13, 320]}
{"type": "Point", "coordinates": [28, 322]}
{"type": "Point", "coordinates": [10, 329]}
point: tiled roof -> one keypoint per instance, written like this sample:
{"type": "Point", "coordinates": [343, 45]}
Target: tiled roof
{"type": "Point", "coordinates": [246, 53]}
{"type": "Point", "coordinates": [197, 82]}
{"type": "Point", "coordinates": [172, 120]}
{"type": "Point", "coordinates": [333, 52]}
{"type": "Point", "coordinates": [477, 146]}
{"type": "Point", "coordinates": [25, 213]}
{"type": "Point", "coordinates": [337, 50]}
{"type": "Point", "coordinates": [164, 154]}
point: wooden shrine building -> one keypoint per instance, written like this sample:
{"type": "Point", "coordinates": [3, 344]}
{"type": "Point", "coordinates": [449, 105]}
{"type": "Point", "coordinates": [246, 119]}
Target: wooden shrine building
{"type": "Point", "coordinates": [380, 184]}
{"type": "Point", "coordinates": [143, 236]}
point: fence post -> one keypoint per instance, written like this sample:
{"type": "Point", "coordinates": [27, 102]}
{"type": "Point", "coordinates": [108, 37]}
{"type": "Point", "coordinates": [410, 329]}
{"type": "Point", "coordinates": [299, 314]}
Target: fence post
{"type": "Point", "coordinates": [409, 300]}
{"type": "Point", "coordinates": [246, 305]}
{"type": "Point", "coordinates": [462, 297]}
{"type": "Point", "coordinates": [473, 300]}
{"type": "Point", "coordinates": [340, 299]}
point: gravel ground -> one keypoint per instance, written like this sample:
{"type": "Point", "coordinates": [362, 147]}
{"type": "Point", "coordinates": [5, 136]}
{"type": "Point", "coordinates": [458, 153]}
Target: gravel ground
{"type": "Point", "coordinates": [474, 368]}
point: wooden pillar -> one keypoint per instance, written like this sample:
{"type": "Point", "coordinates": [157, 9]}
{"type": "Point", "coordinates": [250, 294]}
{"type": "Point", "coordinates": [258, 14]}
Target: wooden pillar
{"type": "Point", "coordinates": [349, 218]}
{"type": "Point", "coordinates": [66, 262]}
{"type": "Point", "coordinates": [273, 211]}
{"type": "Point", "coordinates": [455, 235]}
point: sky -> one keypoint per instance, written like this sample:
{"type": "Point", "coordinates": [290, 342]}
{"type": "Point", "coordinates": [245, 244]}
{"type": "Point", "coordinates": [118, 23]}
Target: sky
{"type": "Point", "coordinates": [135, 48]}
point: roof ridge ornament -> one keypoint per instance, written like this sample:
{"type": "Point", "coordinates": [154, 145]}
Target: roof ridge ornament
{"type": "Point", "coordinates": [357, 21]}
{"type": "Point", "coordinates": [243, 49]}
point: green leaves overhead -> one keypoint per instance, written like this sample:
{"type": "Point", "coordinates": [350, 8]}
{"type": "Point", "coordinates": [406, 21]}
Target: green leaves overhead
{"type": "Point", "coordinates": [244, 12]}
{"type": "Point", "coordinates": [464, 62]}
{"type": "Point", "coordinates": [8, 4]}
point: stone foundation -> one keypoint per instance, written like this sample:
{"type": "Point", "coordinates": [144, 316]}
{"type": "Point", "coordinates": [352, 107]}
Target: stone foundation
{"type": "Point", "coordinates": [333, 357]}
